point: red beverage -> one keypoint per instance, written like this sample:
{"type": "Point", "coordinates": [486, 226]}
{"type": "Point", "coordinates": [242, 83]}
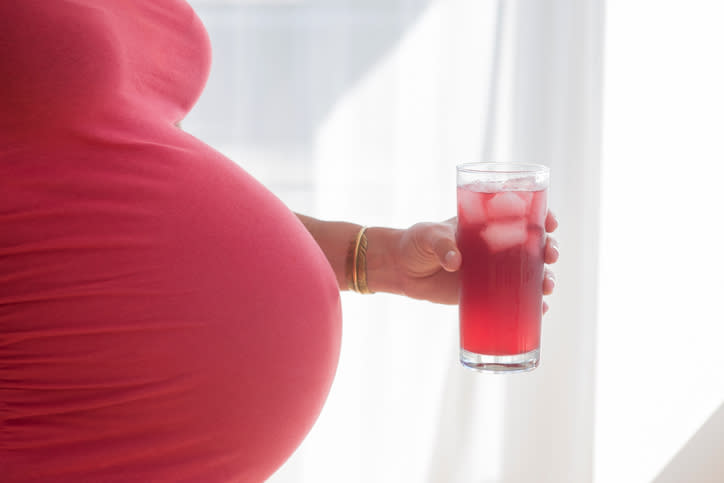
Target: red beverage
{"type": "Point", "coordinates": [501, 237]}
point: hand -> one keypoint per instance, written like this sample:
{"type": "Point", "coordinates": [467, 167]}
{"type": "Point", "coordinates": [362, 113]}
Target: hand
{"type": "Point", "coordinates": [427, 260]}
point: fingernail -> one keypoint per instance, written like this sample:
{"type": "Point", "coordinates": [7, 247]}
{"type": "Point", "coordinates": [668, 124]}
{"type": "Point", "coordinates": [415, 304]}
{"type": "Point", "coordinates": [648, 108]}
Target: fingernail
{"type": "Point", "coordinates": [554, 246]}
{"type": "Point", "coordinates": [449, 256]}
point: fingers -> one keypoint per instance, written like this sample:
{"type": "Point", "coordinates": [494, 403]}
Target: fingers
{"type": "Point", "coordinates": [550, 253]}
{"type": "Point", "coordinates": [439, 238]}
{"type": "Point", "coordinates": [452, 221]}
{"type": "Point", "coordinates": [451, 261]}
{"type": "Point", "coordinates": [549, 282]}
{"type": "Point", "coordinates": [446, 249]}
{"type": "Point", "coordinates": [551, 222]}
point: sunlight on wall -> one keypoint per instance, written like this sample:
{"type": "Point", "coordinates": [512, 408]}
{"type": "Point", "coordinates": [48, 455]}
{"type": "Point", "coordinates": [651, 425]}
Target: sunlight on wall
{"type": "Point", "coordinates": [661, 286]}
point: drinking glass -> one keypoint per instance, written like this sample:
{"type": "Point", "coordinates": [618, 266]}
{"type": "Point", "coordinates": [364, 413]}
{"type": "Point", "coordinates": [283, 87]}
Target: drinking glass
{"type": "Point", "coordinates": [501, 235]}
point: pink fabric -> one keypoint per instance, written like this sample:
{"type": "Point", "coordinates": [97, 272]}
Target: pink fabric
{"type": "Point", "coordinates": [163, 317]}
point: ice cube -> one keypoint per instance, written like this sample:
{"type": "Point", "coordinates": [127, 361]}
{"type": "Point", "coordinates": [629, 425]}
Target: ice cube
{"type": "Point", "coordinates": [526, 196]}
{"type": "Point", "coordinates": [506, 205]}
{"type": "Point", "coordinates": [502, 235]}
{"type": "Point", "coordinates": [487, 186]}
{"type": "Point", "coordinates": [526, 183]}
{"type": "Point", "coordinates": [535, 241]}
{"type": "Point", "coordinates": [471, 208]}
{"type": "Point", "coordinates": [490, 186]}
{"type": "Point", "coordinates": [538, 209]}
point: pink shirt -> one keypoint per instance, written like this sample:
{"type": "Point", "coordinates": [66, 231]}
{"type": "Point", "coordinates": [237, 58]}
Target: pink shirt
{"type": "Point", "coordinates": [163, 317]}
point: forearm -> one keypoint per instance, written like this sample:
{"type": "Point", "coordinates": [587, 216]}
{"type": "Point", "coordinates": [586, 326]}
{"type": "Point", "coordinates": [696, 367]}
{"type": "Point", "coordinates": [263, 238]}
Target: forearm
{"type": "Point", "coordinates": [336, 238]}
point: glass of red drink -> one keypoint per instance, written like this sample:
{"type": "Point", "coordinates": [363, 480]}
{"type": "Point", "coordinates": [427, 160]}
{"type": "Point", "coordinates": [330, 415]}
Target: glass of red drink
{"type": "Point", "coordinates": [501, 236]}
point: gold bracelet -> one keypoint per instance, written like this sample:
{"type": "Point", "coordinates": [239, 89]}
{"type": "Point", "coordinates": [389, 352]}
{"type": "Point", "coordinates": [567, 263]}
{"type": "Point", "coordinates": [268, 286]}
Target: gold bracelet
{"type": "Point", "coordinates": [357, 264]}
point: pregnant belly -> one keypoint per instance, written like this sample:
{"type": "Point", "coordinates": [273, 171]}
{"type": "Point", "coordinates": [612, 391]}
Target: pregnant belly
{"type": "Point", "coordinates": [163, 317]}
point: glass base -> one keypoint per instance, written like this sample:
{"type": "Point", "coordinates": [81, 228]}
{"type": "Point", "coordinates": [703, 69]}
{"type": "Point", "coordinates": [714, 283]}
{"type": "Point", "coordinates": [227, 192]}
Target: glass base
{"type": "Point", "coordinates": [500, 364]}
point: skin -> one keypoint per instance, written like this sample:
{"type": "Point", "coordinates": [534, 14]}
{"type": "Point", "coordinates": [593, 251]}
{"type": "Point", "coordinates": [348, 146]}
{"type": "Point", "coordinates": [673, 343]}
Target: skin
{"type": "Point", "coordinates": [420, 262]}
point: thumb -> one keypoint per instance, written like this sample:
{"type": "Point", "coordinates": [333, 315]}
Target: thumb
{"type": "Point", "coordinates": [441, 239]}
{"type": "Point", "coordinates": [450, 259]}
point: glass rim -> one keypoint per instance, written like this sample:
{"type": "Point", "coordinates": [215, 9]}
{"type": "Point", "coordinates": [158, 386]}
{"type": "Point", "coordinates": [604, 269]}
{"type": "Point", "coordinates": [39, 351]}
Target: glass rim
{"type": "Point", "coordinates": [502, 168]}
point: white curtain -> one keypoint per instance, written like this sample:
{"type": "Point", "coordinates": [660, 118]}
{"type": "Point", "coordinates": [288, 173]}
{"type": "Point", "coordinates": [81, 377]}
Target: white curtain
{"type": "Point", "coordinates": [360, 110]}
{"type": "Point", "coordinates": [660, 395]}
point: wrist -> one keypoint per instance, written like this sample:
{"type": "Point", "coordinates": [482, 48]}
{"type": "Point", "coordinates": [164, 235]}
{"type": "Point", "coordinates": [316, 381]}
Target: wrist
{"type": "Point", "coordinates": [382, 267]}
